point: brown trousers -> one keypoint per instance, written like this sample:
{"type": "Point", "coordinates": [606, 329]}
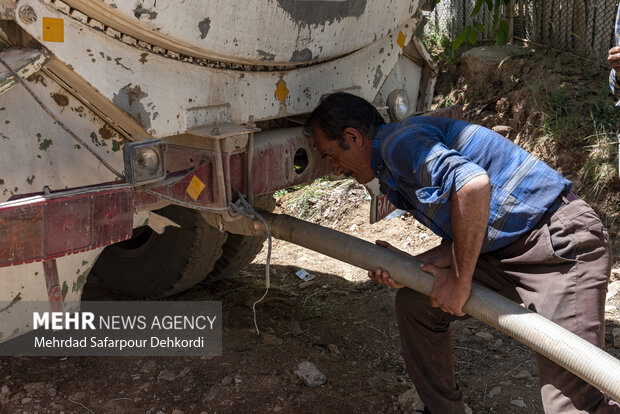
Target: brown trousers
{"type": "Point", "coordinates": [560, 270]}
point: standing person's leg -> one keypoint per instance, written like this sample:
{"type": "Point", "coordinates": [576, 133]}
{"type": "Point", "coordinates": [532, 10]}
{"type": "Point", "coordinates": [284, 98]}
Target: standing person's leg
{"type": "Point", "coordinates": [427, 346]}
{"type": "Point", "coordinates": [427, 350]}
{"type": "Point", "coordinates": [561, 269]}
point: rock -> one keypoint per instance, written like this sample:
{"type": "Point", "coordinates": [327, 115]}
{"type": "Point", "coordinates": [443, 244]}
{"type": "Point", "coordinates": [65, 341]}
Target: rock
{"type": "Point", "coordinates": [57, 407]}
{"type": "Point", "coordinates": [612, 289]}
{"type": "Point", "coordinates": [616, 335]}
{"type": "Point", "coordinates": [468, 410]}
{"type": "Point", "coordinates": [333, 349]}
{"type": "Point", "coordinates": [227, 381]}
{"type": "Point", "coordinates": [78, 396]}
{"type": "Point", "coordinates": [166, 375]}
{"type": "Point", "coordinates": [40, 389]}
{"type": "Point", "coordinates": [484, 335]}
{"type": "Point", "coordinates": [494, 391]}
{"type": "Point", "coordinates": [176, 411]}
{"type": "Point", "coordinates": [5, 390]}
{"type": "Point", "coordinates": [522, 374]}
{"type": "Point", "coordinates": [148, 367]}
{"type": "Point", "coordinates": [304, 285]}
{"type": "Point", "coordinates": [211, 394]}
{"type": "Point", "coordinates": [375, 382]}
{"type": "Point", "coordinates": [498, 344]}
{"type": "Point", "coordinates": [272, 339]}
{"type": "Point", "coordinates": [410, 401]}
{"type": "Point", "coordinates": [238, 380]}
{"type": "Point", "coordinates": [494, 55]}
{"type": "Point", "coordinates": [17, 397]}
{"type": "Point", "coordinates": [184, 372]}
{"type": "Point", "coordinates": [502, 129]}
{"type": "Point", "coordinates": [310, 374]}
{"type": "Point", "coordinates": [615, 274]}
{"type": "Point", "coordinates": [518, 403]}
{"type": "Point", "coordinates": [277, 409]}
{"type": "Point", "coordinates": [26, 400]}
{"type": "Point", "coordinates": [145, 386]}
{"type": "Point", "coordinates": [353, 227]}
{"type": "Point", "coordinates": [296, 328]}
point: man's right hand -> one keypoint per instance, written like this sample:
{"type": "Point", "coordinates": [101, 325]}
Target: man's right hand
{"type": "Point", "coordinates": [614, 59]}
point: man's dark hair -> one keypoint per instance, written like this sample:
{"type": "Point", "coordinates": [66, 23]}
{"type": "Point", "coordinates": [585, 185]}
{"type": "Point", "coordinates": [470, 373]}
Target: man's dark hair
{"type": "Point", "coordinates": [340, 110]}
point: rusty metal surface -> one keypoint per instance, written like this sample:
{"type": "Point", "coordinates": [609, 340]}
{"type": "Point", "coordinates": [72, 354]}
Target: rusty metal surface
{"type": "Point", "coordinates": [274, 160]}
{"type": "Point", "coordinates": [52, 282]}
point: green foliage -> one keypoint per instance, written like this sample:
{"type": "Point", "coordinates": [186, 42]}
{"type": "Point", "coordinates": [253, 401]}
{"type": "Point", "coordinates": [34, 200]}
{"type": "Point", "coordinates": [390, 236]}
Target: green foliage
{"type": "Point", "coordinates": [499, 30]}
{"type": "Point", "coordinates": [308, 201]}
{"type": "Point", "coordinates": [585, 121]}
{"type": "Point", "coordinates": [438, 43]}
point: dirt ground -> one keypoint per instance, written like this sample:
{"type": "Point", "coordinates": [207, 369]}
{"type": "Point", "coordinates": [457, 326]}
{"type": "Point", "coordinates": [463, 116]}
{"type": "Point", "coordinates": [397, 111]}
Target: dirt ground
{"type": "Point", "coordinates": [340, 321]}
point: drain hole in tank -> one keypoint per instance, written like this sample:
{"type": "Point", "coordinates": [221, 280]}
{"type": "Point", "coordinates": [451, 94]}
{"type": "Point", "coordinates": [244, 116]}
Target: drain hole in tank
{"type": "Point", "coordinates": [301, 160]}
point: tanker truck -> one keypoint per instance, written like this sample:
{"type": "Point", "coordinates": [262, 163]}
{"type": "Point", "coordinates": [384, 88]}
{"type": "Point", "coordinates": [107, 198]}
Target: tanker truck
{"type": "Point", "coordinates": [124, 123]}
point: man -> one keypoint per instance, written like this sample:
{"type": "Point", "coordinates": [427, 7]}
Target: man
{"type": "Point", "coordinates": [614, 75]}
{"type": "Point", "coordinates": [614, 60]}
{"type": "Point", "coordinates": [508, 221]}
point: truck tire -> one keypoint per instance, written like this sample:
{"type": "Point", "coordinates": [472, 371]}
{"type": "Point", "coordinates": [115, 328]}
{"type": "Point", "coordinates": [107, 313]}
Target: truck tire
{"type": "Point", "coordinates": [239, 251]}
{"type": "Point", "coordinates": [151, 265]}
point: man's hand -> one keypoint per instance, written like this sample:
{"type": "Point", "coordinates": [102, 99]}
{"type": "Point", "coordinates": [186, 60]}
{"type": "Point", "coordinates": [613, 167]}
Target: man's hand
{"type": "Point", "coordinates": [382, 276]}
{"type": "Point", "coordinates": [614, 59]}
{"type": "Point", "coordinates": [448, 292]}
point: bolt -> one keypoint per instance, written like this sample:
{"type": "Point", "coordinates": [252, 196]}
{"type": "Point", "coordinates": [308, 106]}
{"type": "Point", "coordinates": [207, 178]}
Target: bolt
{"type": "Point", "coordinates": [250, 123]}
{"type": "Point", "coordinates": [216, 131]}
{"type": "Point", "coordinates": [27, 14]}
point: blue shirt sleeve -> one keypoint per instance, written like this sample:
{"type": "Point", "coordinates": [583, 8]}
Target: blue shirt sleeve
{"type": "Point", "coordinates": [418, 156]}
{"type": "Point", "coordinates": [613, 80]}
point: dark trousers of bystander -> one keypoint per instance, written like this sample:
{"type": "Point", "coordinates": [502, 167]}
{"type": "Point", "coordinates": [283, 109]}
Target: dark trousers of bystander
{"type": "Point", "coordinates": [560, 269]}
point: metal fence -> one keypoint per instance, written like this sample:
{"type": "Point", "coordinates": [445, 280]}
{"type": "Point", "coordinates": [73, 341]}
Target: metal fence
{"type": "Point", "coordinates": [583, 27]}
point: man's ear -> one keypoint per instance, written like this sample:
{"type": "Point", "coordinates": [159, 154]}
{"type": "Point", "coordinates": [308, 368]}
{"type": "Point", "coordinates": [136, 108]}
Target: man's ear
{"type": "Point", "coordinates": [354, 136]}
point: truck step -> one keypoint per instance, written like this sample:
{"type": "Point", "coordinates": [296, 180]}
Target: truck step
{"type": "Point", "coordinates": [24, 61]}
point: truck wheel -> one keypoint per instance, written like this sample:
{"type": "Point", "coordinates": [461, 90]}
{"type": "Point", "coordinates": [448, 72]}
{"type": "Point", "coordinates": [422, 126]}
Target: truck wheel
{"type": "Point", "coordinates": [151, 265]}
{"type": "Point", "coordinates": [240, 250]}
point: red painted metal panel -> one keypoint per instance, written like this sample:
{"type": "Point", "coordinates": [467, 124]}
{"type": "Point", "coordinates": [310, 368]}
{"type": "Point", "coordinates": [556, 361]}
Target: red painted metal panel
{"type": "Point", "coordinates": [19, 229]}
{"type": "Point", "coordinates": [45, 227]}
{"type": "Point", "coordinates": [111, 214]}
{"type": "Point", "coordinates": [67, 225]}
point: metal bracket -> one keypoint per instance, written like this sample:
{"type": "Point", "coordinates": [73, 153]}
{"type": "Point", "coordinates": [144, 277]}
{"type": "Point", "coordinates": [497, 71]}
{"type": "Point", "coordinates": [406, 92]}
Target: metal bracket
{"type": "Point", "coordinates": [224, 139]}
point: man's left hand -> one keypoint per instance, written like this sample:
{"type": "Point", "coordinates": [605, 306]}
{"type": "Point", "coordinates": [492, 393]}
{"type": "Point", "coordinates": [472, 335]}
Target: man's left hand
{"type": "Point", "coordinates": [614, 59]}
{"type": "Point", "coordinates": [448, 292]}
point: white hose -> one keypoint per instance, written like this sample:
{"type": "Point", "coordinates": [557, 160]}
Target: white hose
{"type": "Point", "coordinates": [566, 349]}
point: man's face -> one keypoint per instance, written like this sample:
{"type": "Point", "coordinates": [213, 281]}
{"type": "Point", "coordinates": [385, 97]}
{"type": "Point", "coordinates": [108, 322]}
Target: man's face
{"type": "Point", "coordinates": [351, 162]}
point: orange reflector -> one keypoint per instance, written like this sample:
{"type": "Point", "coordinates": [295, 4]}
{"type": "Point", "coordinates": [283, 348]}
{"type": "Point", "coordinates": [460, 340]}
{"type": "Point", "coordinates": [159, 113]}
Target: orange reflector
{"type": "Point", "coordinates": [195, 187]}
{"type": "Point", "coordinates": [53, 30]}
{"type": "Point", "coordinates": [281, 91]}
{"type": "Point", "coordinates": [401, 39]}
